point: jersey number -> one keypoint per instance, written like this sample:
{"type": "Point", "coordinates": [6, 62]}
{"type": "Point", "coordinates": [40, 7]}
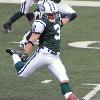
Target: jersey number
{"type": "Point", "coordinates": [57, 28]}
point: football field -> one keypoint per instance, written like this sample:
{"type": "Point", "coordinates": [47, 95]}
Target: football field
{"type": "Point", "coordinates": [80, 53]}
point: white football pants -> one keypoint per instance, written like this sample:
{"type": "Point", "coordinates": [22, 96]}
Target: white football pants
{"type": "Point", "coordinates": [42, 58]}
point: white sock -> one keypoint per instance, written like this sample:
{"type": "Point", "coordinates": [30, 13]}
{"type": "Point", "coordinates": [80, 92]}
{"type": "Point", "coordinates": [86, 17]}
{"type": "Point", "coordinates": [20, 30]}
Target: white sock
{"type": "Point", "coordinates": [15, 58]}
{"type": "Point", "coordinates": [67, 95]}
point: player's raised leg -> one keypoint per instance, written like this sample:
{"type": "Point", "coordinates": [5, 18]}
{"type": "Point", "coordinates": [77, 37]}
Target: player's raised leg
{"type": "Point", "coordinates": [16, 58]}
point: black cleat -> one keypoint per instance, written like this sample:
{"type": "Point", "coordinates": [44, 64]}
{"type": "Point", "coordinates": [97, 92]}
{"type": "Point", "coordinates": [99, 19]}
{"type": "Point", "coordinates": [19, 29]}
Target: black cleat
{"type": "Point", "coordinates": [11, 51]}
{"type": "Point", "coordinates": [23, 57]}
{"type": "Point", "coordinates": [7, 27]}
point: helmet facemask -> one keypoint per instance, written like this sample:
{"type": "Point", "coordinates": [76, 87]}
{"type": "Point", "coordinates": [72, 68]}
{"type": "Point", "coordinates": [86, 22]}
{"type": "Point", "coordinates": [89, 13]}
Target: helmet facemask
{"type": "Point", "coordinates": [51, 16]}
{"type": "Point", "coordinates": [50, 11]}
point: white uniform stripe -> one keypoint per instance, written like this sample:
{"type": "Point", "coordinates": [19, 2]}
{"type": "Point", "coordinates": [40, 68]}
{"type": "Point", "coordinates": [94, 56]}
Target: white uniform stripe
{"type": "Point", "coordinates": [53, 5]}
{"type": "Point", "coordinates": [26, 64]}
{"type": "Point", "coordinates": [50, 6]}
{"type": "Point", "coordinates": [41, 22]}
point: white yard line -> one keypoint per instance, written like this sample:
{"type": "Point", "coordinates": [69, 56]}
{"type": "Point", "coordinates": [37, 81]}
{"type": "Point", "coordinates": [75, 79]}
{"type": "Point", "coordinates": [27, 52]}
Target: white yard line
{"type": "Point", "coordinates": [71, 3]}
{"type": "Point", "coordinates": [92, 93]}
{"type": "Point", "coordinates": [36, 43]}
{"type": "Point", "coordinates": [10, 1]}
{"type": "Point", "coordinates": [83, 44]}
{"type": "Point", "coordinates": [84, 3]}
{"type": "Point", "coordinates": [46, 81]}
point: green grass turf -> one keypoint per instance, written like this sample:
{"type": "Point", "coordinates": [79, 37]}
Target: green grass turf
{"type": "Point", "coordinates": [83, 65]}
{"type": "Point", "coordinates": [97, 96]}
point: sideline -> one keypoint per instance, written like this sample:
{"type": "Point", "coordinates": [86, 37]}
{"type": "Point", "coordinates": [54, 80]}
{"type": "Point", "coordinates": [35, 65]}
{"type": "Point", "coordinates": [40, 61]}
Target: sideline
{"type": "Point", "coordinates": [71, 3]}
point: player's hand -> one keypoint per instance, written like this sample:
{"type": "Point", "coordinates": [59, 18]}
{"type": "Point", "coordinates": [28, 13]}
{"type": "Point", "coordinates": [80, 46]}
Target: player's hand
{"type": "Point", "coordinates": [23, 43]}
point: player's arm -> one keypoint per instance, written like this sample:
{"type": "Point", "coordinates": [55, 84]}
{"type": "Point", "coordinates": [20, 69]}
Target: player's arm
{"type": "Point", "coordinates": [67, 13]}
{"type": "Point", "coordinates": [70, 16]}
{"type": "Point", "coordinates": [64, 21]}
{"type": "Point", "coordinates": [34, 37]}
{"type": "Point", "coordinates": [37, 29]}
{"type": "Point", "coordinates": [66, 18]}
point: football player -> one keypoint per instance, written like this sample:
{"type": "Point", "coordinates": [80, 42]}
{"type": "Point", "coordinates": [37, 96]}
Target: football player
{"type": "Point", "coordinates": [64, 9]}
{"type": "Point", "coordinates": [47, 30]}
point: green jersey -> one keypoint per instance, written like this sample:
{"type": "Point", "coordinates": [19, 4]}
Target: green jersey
{"type": "Point", "coordinates": [50, 33]}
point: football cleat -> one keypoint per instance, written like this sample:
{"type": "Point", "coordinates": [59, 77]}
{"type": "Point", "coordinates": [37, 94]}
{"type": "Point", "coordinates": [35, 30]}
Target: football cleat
{"type": "Point", "coordinates": [7, 27]}
{"type": "Point", "coordinates": [72, 97]}
{"type": "Point", "coordinates": [24, 57]}
{"type": "Point", "coordinates": [12, 51]}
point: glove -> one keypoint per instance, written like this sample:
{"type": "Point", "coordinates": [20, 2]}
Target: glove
{"type": "Point", "coordinates": [23, 43]}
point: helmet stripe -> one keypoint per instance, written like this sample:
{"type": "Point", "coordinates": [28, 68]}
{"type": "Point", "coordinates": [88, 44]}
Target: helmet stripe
{"type": "Point", "coordinates": [50, 6]}
{"type": "Point", "coordinates": [53, 5]}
